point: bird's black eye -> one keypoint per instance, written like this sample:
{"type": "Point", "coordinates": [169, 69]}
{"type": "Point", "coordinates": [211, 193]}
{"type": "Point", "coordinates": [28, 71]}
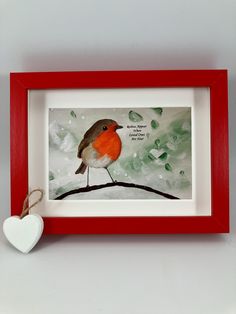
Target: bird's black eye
{"type": "Point", "coordinates": [104, 128]}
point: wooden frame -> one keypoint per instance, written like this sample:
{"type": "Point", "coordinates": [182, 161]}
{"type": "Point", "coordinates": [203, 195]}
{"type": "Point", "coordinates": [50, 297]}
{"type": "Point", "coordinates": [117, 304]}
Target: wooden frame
{"type": "Point", "coordinates": [216, 80]}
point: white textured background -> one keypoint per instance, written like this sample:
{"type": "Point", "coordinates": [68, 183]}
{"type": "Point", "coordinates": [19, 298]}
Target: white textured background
{"type": "Point", "coordinates": [168, 274]}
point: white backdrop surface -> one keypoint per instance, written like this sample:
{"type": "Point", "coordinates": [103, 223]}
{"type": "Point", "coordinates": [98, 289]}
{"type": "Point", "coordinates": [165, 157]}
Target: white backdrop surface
{"type": "Point", "coordinates": [166, 274]}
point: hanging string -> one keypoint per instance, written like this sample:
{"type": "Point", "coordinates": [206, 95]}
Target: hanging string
{"type": "Point", "coordinates": [26, 208]}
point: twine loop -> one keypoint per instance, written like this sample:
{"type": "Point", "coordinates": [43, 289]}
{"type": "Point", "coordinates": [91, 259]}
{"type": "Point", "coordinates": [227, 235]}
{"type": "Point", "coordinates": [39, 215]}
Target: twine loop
{"type": "Point", "coordinates": [26, 208]}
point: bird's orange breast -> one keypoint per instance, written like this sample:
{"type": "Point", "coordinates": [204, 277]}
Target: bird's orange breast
{"type": "Point", "coordinates": [108, 143]}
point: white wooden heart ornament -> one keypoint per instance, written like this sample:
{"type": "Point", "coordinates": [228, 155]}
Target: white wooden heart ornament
{"type": "Point", "coordinates": [23, 233]}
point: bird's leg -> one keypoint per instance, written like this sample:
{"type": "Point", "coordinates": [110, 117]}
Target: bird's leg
{"type": "Point", "coordinates": [110, 175]}
{"type": "Point", "coordinates": [88, 177]}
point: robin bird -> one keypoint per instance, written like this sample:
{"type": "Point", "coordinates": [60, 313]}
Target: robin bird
{"type": "Point", "coordinates": [100, 147]}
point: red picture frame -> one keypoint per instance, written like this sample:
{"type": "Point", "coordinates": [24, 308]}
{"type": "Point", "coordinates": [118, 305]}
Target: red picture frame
{"type": "Point", "coordinates": [215, 80]}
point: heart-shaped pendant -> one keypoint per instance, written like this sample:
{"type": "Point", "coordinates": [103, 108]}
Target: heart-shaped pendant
{"type": "Point", "coordinates": [23, 233]}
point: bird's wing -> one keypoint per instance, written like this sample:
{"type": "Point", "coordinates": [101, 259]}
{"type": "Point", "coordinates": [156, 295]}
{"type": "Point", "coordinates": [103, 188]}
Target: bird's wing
{"type": "Point", "coordinates": [89, 137]}
{"type": "Point", "coordinates": [83, 144]}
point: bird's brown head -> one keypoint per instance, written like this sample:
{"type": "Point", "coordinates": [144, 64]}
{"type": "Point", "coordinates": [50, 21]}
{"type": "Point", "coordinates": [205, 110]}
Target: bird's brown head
{"type": "Point", "coordinates": [103, 126]}
{"type": "Point", "coordinates": [109, 125]}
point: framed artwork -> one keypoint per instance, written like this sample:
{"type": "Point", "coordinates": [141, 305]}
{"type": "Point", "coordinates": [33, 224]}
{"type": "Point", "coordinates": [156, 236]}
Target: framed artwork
{"type": "Point", "coordinates": [122, 152]}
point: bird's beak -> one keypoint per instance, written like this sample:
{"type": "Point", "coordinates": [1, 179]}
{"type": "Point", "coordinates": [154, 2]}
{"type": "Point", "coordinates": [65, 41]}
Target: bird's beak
{"type": "Point", "coordinates": [119, 127]}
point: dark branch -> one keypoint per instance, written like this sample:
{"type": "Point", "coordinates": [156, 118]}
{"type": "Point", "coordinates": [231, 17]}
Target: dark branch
{"type": "Point", "coordinates": [108, 185]}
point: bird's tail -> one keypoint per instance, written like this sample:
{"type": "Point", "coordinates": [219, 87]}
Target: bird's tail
{"type": "Point", "coordinates": [81, 168]}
